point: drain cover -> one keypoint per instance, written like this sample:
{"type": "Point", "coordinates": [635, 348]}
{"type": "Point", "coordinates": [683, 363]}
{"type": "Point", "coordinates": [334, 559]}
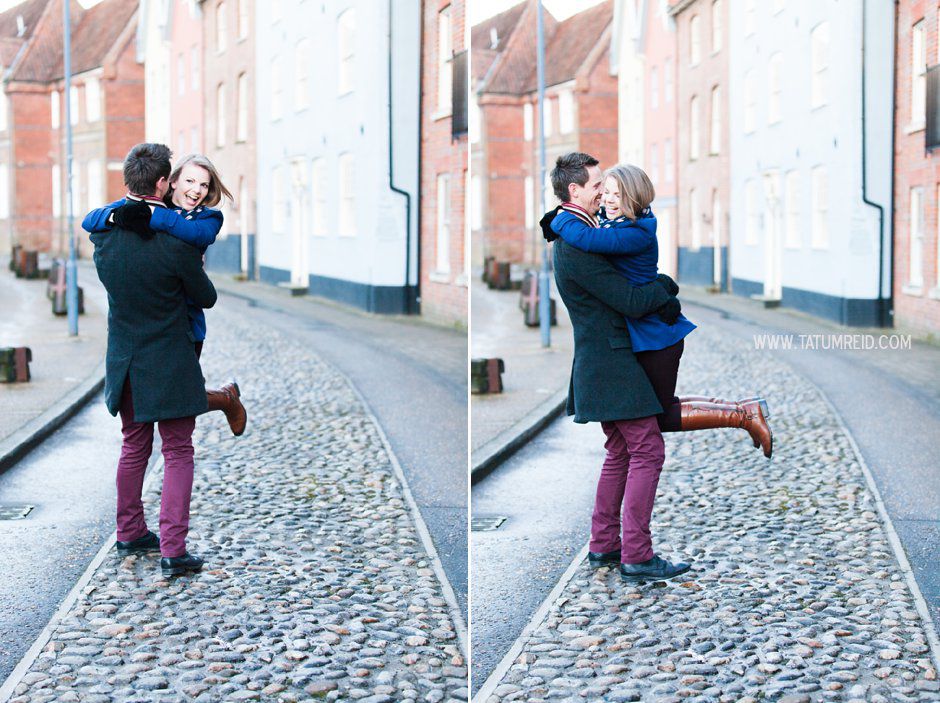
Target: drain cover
{"type": "Point", "coordinates": [14, 511]}
{"type": "Point", "coordinates": [486, 524]}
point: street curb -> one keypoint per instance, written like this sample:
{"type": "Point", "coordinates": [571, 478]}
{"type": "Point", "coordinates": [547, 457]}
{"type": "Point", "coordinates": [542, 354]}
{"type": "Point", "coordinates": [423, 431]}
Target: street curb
{"type": "Point", "coordinates": [16, 676]}
{"type": "Point", "coordinates": [21, 442]}
{"type": "Point", "coordinates": [492, 681]}
{"type": "Point", "coordinates": [489, 456]}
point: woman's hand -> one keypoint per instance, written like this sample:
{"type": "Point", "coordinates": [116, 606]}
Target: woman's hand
{"type": "Point", "coordinates": [134, 215]}
{"type": "Point", "coordinates": [669, 311]}
{"type": "Point", "coordinates": [670, 285]}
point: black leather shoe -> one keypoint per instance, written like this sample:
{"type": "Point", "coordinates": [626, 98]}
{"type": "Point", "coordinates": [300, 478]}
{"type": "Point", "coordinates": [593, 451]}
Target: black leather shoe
{"type": "Point", "coordinates": [174, 566]}
{"type": "Point", "coordinates": [599, 559]}
{"type": "Point", "coordinates": [148, 543]}
{"type": "Point", "coordinates": [655, 569]}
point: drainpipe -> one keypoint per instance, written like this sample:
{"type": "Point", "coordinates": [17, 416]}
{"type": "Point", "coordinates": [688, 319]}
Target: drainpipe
{"type": "Point", "coordinates": [408, 304]}
{"type": "Point", "coordinates": [885, 305]}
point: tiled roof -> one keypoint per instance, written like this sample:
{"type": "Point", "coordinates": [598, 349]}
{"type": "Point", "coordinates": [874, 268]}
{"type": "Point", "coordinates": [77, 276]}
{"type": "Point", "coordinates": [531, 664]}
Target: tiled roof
{"type": "Point", "coordinates": [10, 39]}
{"type": "Point", "coordinates": [481, 39]}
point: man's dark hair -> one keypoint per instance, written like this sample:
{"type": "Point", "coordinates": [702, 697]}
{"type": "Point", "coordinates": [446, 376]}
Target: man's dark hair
{"type": "Point", "coordinates": [144, 165]}
{"type": "Point", "coordinates": [571, 168]}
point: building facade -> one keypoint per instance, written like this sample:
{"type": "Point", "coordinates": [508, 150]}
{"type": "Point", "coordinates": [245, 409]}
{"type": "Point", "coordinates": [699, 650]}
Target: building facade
{"type": "Point", "coordinates": [224, 71]}
{"type": "Point", "coordinates": [703, 178]}
{"type": "Point", "coordinates": [444, 166]}
{"type": "Point", "coordinates": [811, 166]}
{"type": "Point", "coordinates": [917, 162]}
{"type": "Point", "coordinates": [338, 129]}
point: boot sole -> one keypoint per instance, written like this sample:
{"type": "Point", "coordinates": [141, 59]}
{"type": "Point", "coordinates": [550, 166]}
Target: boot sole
{"type": "Point", "coordinates": [128, 552]}
{"type": "Point", "coordinates": [178, 570]}
{"type": "Point", "coordinates": [643, 579]}
{"type": "Point", "coordinates": [602, 564]}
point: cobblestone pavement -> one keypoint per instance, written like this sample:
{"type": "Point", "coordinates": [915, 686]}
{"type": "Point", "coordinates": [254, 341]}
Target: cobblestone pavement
{"type": "Point", "coordinates": [316, 584]}
{"type": "Point", "coordinates": [795, 593]}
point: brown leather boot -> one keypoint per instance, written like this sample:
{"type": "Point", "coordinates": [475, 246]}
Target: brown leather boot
{"type": "Point", "coordinates": [698, 415]}
{"type": "Point", "coordinates": [721, 401]}
{"type": "Point", "coordinates": [227, 400]}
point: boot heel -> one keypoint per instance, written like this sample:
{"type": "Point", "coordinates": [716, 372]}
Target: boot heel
{"type": "Point", "coordinates": [764, 408]}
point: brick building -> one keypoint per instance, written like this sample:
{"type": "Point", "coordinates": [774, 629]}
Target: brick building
{"type": "Point", "coordinates": [580, 115]}
{"type": "Point", "coordinates": [226, 82]}
{"type": "Point", "coordinates": [917, 168]}
{"type": "Point", "coordinates": [702, 159]}
{"type": "Point", "coordinates": [444, 244]}
{"type": "Point", "coordinates": [106, 105]}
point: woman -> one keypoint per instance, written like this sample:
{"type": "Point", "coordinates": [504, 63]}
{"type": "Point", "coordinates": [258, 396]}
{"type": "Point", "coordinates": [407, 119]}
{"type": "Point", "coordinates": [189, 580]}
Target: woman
{"type": "Point", "coordinates": [195, 189]}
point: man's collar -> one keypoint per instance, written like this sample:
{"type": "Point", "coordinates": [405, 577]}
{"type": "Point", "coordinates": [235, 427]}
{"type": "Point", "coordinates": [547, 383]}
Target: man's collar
{"type": "Point", "coordinates": [579, 212]}
{"type": "Point", "coordinates": [149, 199]}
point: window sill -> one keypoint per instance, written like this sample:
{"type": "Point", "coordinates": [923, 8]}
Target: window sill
{"type": "Point", "coordinates": [439, 276]}
{"type": "Point", "coordinates": [440, 115]}
{"type": "Point", "coordinates": [914, 128]}
{"type": "Point", "coordinates": [934, 293]}
{"type": "Point", "coordinates": [910, 289]}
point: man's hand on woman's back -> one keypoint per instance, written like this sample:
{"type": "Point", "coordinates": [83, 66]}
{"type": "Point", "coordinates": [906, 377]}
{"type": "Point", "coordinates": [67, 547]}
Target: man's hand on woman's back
{"type": "Point", "coordinates": [670, 285]}
{"type": "Point", "coordinates": [670, 310]}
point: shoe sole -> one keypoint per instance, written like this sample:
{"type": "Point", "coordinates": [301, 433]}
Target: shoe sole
{"type": "Point", "coordinates": [643, 579]}
{"type": "Point", "coordinates": [601, 564]}
{"type": "Point", "coordinates": [128, 552]}
{"type": "Point", "coordinates": [179, 570]}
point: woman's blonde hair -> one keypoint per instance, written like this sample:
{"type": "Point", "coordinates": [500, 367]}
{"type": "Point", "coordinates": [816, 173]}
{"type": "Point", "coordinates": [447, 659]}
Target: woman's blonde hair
{"type": "Point", "coordinates": [217, 189]}
{"type": "Point", "coordinates": [636, 189]}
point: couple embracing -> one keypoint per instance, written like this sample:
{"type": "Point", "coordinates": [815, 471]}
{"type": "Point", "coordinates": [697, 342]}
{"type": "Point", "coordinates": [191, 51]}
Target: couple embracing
{"type": "Point", "coordinates": [149, 250]}
{"type": "Point", "coordinates": [629, 335]}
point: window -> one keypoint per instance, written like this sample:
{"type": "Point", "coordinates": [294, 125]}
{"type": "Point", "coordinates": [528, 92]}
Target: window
{"type": "Point", "coordinates": [301, 75]}
{"type": "Point", "coordinates": [654, 88]}
{"type": "Point", "coordinates": [696, 221]}
{"type": "Point", "coordinates": [347, 54]}
{"type": "Point", "coordinates": [715, 141]}
{"type": "Point", "coordinates": [918, 75]}
{"type": "Point", "coordinates": [750, 101]}
{"type": "Point", "coordinates": [4, 192]}
{"type": "Point", "coordinates": [792, 210]}
{"type": "Point", "coordinates": [654, 163]}
{"type": "Point", "coordinates": [278, 201]}
{"type": "Point", "coordinates": [347, 196]}
{"type": "Point", "coordinates": [750, 210]}
{"type": "Point", "coordinates": [243, 10]}
{"type": "Point", "coordinates": [750, 21]}
{"type": "Point", "coordinates": [693, 128]}
{"type": "Point", "coordinates": [95, 184]}
{"type": "Point", "coordinates": [915, 274]}
{"type": "Point", "coordinates": [220, 27]}
{"type": "Point", "coordinates": [527, 117]}
{"type": "Point", "coordinates": [667, 160]}
{"type": "Point", "coordinates": [318, 182]}
{"type": "Point", "coordinates": [667, 81]}
{"type": "Point", "coordinates": [565, 112]}
{"type": "Point", "coordinates": [277, 89]}
{"type": "Point", "coordinates": [241, 118]}
{"type": "Point", "coordinates": [56, 190]}
{"type": "Point", "coordinates": [819, 38]}
{"type": "Point", "coordinates": [56, 108]}
{"type": "Point", "coordinates": [774, 88]}
{"type": "Point", "coordinates": [194, 63]}
{"type": "Point", "coordinates": [445, 54]}
{"type": "Point", "coordinates": [92, 99]}
{"type": "Point", "coordinates": [820, 198]}
{"type": "Point", "coordinates": [442, 260]}
{"type": "Point", "coordinates": [695, 41]}
{"type": "Point", "coordinates": [548, 118]}
{"type": "Point", "coordinates": [181, 74]}
{"type": "Point", "coordinates": [220, 115]}
{"type": "Point", "coordinates": [476, 203]}
{"type": "Point", "coordinates": [73, 105]}
{"type": "Point", "coordinates": [529, 202]}
{"type": "Point", "coordinates": [716, 26]}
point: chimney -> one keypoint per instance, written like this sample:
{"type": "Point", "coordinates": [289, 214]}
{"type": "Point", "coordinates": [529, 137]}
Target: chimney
{"type": "Point", "coordinates": [494, 38]}
{"type": "Point", "coordinates": [20, 26]}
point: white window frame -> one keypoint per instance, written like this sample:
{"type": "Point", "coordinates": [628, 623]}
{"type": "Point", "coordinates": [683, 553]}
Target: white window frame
{"type": "Point", "coordinates": [220, 109]}
{"type": "Point", "coordinates": [820, 204]}
{"type": "Point", "coordinates": [74, 104]}
{"type": "Point", "coordinates": [918, 75]}
{"type": "Point", "coordinates": [243, 18]}
{"type": "Point", "coordinates": [819, 60]}
{"type": "Point", "coordinates": [346, 43]}
{"type": "Point", "coordinates": [445, 56]}
{"type": "Point", "coordinates": [793, 225]}
{"type": "Point", "coordinates": [442, 228]}
{"type": "Point", "coordinates": [694, 128]}
{"type": "Point", "coordinates": [92, 99]}
{"type": "Point", "coordinates": [347, 194]}
{"type": "Point", "coordinates": [695, 41]}
{"type": "Point", "coordinates": [714, 146]}
{"type": "Point", "coordinates": [221, 30]}
{"type": "Point", "coordinates": [716, 26]}
{"type": "Point", "coordinates": [241, 113]}
{"type": "Point", "coordinates": [915, 274]}
{"type": "Point", "coordinates": [775, 89]}
{"type": "Point", "coordinates": [565, 112]}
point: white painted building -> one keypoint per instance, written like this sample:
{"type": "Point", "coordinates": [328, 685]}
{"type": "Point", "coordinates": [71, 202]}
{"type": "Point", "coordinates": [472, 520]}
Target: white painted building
{"type": "Point", "coordinates": [338, 116]}
{"type": "Point", "coordinates": [811, 198]}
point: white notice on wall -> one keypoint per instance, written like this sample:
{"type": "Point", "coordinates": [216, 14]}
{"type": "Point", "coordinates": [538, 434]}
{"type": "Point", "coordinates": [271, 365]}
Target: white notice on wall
{"type": "Point", "coordinates": [390, 220]}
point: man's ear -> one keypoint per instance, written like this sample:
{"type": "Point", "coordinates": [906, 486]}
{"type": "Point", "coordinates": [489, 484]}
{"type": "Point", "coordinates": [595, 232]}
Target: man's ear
{"type": "Point", "coordinates": [571, 191]}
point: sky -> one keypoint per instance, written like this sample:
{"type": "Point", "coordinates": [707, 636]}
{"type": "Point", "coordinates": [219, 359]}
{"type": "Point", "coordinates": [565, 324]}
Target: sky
{"type": "Point", "coordinates": [479, 10]}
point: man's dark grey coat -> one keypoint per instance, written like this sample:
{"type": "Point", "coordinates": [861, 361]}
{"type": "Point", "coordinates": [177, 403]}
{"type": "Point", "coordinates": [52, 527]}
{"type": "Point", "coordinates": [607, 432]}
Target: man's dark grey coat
{"type": "Point", "coordinates": [607, 382]}
{"type": "Point", "coordinates": [149, 334]}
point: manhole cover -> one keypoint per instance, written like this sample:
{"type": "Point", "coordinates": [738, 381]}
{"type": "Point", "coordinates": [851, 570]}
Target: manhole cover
{"type": "Point", "coordinates": [486, 524]}
{"type": "Point", "coordinates": [16, 511]}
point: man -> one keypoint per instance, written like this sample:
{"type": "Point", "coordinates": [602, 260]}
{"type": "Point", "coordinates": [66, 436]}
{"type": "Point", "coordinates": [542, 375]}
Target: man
{"type": "Point", "coordinates": [152, 373]}
{"type": "Point", "coordinates": [608, 385]}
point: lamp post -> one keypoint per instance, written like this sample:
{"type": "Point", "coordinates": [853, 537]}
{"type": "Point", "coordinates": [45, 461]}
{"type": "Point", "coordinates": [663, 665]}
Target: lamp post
{"type": "Point", "coordinates": [71, 269]}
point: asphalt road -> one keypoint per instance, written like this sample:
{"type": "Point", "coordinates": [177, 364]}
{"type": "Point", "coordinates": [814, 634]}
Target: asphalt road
{"type": "Point", "coordinates": [412, 375]}
{"type": "Point", "coordinates": [889, 400]}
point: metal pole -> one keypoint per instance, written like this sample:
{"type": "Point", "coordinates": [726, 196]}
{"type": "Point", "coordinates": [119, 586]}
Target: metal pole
{"type": "Point", "coordinates": [71, 270]}
{"type": "Point", "coordinates": [545, 320]}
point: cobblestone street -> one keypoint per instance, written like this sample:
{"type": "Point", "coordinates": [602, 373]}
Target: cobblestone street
{"type": "Point", "coordinates": [796, 593]}
{"type": "Point", "coordinates": [316, 583]}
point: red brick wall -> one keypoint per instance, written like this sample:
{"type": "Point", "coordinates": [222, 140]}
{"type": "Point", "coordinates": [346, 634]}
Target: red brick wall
{"type": "Point", "coordinates": [443, 294]}
{"type": "Point", "coordinates": [31, 168]}
{"type": "Point", "coordinates": [918, 311]}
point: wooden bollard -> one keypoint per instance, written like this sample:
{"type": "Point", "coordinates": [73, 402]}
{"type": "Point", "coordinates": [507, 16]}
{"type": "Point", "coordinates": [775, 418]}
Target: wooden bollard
{"type": "Point", "coordinates": [14, 364]}
{"type": "Point", "coordinates": [487, 268]}
{"type": "Point", "coordinates": [486, 376]}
